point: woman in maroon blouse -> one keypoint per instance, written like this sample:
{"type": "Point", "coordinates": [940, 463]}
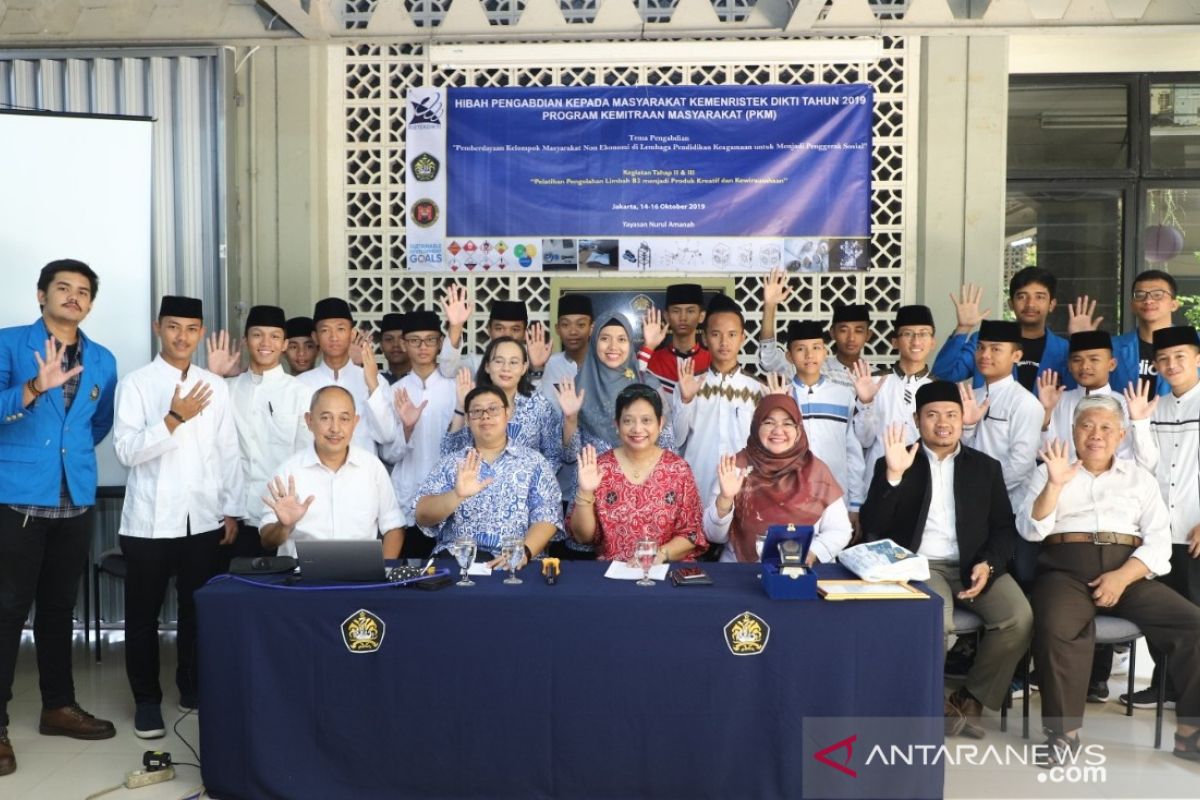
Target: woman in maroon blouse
{"type": "Point", "coordinates": [637, 490]}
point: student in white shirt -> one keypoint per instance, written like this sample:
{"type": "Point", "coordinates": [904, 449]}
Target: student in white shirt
{"type": "Point", "coordinates": [1166, 434]}
{"type": "Point", "coordinates": [333, 327]}
{"type": "Point", "coordinates": [1090, 361]}
{"type": "Point", "coordinates": [711, 412]}
{"type": "Point", "coordinates": [346, 490]}
{"type": "Point", "coordinates": [183, 497]}
{"type": "Point", "coordinates": [301, 352]}
{"type": "Point", "coordinates": [506, 318]}
{"type": "Point", "coordinates": [391, 344]}
{"type": "Point", "coordinates": [889, 397]}
{"type": "Point", "coordinates": [574, 329]}
{"type": "Point", "coordinates": [268, 409]}
{"type": "Point", "coordinates": [1002, 418]}
{"type": "Point", "coordinates": [425, 404]}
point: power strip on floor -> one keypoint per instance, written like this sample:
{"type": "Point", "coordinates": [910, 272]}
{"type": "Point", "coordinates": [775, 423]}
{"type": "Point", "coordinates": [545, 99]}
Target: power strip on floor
{"type": "Point", "coordinates": [140, 777]}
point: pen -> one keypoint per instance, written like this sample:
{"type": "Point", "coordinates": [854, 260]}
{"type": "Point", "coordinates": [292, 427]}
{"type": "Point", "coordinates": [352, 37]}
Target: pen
{"type": "Point", "coordinates": [270, 409]}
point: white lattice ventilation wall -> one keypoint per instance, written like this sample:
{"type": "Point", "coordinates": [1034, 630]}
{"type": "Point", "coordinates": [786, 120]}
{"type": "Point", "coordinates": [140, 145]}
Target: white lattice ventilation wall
{"type": "Point", "coordinates": [377, 78]}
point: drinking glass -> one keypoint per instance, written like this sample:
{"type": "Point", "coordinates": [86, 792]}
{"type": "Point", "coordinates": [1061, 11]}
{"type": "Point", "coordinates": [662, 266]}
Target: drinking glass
{"type": "Point", "coordinates": [759, 541]}
{"type": "Point", "coordinates": [511, 552]}
{"type": "Point", "coordinates": [644, 554]}
{"type": "Point", "coordinates": [464, 553]}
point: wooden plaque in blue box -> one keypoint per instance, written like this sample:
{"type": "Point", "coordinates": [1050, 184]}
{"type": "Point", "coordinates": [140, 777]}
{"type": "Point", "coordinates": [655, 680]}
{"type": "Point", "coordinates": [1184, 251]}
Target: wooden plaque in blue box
{"type": "Point", "coordinates": [787, 587]}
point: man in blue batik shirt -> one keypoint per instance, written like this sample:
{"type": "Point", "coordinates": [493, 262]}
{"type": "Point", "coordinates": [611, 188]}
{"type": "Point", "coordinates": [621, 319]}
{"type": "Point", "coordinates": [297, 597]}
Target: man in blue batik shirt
{"type": "Point", "coordinates": [492, 491]}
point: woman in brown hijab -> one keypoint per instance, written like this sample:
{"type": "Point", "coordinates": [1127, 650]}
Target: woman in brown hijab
{"type": "Point", "coordinates": [776, 480]}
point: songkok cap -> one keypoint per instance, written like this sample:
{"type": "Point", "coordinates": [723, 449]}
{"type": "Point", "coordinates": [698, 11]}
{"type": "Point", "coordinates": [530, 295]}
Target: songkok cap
{"type": "Point", "coordinates": [994, 330]}
{"type": "Point", "coordinates": [299, 326]}
{"type": "Point", "coordinates": [391, 322]}
{"type": "Point", "coordinates": [808, 329]}
{"type": "Point", "coordinates": [912, 315]}
{"type": "Point", "coordinates": [575, 304]}
{"type": "Point", "coordinates": [266, 317]}
{"type": "Point", "coordinates": [685, 294]}
{"type": "Point", "coordinates": [507, 311]}
{"type": "Point", "coordinates": [1090, 340]}
{"type": "Point", "coordinates": [854, 312]}
{"type": "Point", "coordinates": [175, 306]}
{"type": "Point", "coordinates": [938, 392]}
{"type": "Point", "coordinates": [1173, 336]}
{"type": "Point", "coordinates": [722, 303]}
{"type": "Point", "coordinates": [331, 308]}
{"type": "Point", "coordinates": [422, 321]}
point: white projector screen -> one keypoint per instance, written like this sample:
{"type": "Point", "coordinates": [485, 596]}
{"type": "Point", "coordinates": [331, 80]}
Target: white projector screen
{"type": "Point", "coordinates": [78, 186]}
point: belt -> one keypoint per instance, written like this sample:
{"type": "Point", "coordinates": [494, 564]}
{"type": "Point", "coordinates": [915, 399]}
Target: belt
{"type": "Point", "coordinates": [1098, 537]}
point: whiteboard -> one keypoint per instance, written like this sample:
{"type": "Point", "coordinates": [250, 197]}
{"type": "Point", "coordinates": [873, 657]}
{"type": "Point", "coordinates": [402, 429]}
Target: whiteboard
{"type": "Point", "coordinates": [78, 186]}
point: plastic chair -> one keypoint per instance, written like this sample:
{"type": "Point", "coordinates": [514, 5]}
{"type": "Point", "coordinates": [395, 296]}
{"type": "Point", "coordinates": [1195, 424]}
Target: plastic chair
{"type": "Point", "coordinates": [111, 563]}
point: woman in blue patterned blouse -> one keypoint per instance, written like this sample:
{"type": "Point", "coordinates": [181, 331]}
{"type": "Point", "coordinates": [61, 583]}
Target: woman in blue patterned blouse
{"type": "Point", "coordinates": [535, 423]}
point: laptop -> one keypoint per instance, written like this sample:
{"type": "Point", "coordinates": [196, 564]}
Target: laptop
{"type": "Point", "coordinates": [341, 560]}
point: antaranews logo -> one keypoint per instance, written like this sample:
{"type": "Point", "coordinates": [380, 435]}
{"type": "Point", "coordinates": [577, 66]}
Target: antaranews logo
{"type": "Point", "coordinates": [825, 755]}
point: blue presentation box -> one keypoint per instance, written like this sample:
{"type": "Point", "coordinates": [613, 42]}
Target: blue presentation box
{"type": "Point", "coordinates": [787, 587]}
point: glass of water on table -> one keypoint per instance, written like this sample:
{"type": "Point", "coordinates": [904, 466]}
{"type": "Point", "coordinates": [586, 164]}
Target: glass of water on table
{"type": "Point", "coordinates": [463, 550]}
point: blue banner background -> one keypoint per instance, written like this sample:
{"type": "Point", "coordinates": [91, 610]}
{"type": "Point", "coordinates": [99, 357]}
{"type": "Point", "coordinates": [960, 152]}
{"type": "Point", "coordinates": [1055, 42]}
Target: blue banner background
{"type": "Point", "coordinates": [813, 141]}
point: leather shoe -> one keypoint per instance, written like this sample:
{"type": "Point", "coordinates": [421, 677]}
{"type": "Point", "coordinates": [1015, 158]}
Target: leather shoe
{"type": "Point", "coordinates": [8, 760]}
{"type": "Point", "coordinates": [954, 719]}
{"type": "Point", "coordinates": [972, 714]}
{"type": "Point", "coordinates": [76, 723]}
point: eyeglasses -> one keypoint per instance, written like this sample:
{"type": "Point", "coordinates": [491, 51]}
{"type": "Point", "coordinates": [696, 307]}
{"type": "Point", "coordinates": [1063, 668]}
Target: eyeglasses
{"type": "Point", "coordinates": [787, 425]}
{"type": "Point", "coordinates": [498, 363]}
{"type": "Point", "coordinates": [491, 412]}
{"type": "Point", "coordinates": [421, 341]}
{"type": "Point", "coordinates": [1142, 296]}
{"type": "Point", "coordinates": [914, 336]}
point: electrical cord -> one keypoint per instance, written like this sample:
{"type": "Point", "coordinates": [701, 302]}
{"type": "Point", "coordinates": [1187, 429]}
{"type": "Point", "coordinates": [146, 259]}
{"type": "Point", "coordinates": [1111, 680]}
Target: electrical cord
{"type": "Point", "coordinates": [339, 587]}
{"type": "Point", "coordinates": [186, 743]}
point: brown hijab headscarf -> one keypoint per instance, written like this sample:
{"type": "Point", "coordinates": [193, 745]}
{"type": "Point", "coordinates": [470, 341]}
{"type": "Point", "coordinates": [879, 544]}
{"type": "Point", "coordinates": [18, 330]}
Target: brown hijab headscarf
{"type": "Point", "coordinates": [793, 487]}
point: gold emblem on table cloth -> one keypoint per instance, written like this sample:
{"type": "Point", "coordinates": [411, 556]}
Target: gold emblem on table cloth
{"type": "Point", "coordinates": [747, 634]}
{"type": "Point", "coordinates": [362, 632]}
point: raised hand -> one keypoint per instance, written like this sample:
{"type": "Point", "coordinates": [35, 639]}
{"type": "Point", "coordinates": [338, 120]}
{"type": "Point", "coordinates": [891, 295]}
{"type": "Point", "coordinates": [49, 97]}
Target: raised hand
{"type": "Point", "coordinates": [356, 347]}
{"type": "Point", "coordinates": [568, 400]}
{"type": "Point", "coordinates": [409, 414]}
{"type": "Point", "coordinates": [730, 476]}
{"type": "Point", "coordinates": [589, 473]}
{"type": "Point", "coordinates": [775, 288]}
{"type": "Point", "coordinates": [1060, 469]}
{"type": "Point", "coordinates": [457, 306]}
{"type": "Point", "coordinates": [1079, 315]}
{"type": "Point", "coordinates": [50, 372]}
{"type": "Point", "coordinates": [365, 348]}
{"type": "Point", "coordinates": [191, 404]}
{"type": "Point", "coordinates": [467, 482]}
{"type": "Point", "coordinates": [654, 328]}
{"type": "Point", "coordinates": [688, 383]}
{"type": "Point", "coordinates": [463, 384]}
{"type": "Point", "coordinates": [972, 412]}
{"type": "Point", "coordinates": [897, 454]}
{"type": "Point", "coordinates": [1049, 390]}
{"type": "Point", "coordinates": [776, 383]}
{"type": "Point", "coordinates": [224, 356]}
{"type": "Point", "coordinates": [866, 386]}
{"type": "Point", "coordinates": [966, 307]}
{"type": "Point", "coordinates": [284, 501]}
{"type": "Point", "coordinates": [537, 340]}
{"type": "Point", "coordinates": [1139, 402]}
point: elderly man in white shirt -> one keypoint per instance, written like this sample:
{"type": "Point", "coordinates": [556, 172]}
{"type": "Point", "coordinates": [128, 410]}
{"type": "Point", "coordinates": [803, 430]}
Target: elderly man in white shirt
{"type": "Point", "coordinates": [1104, 531]}
{"type": "Point", "coordinates": [183, 498]}
{"type": "Point", "coordinates": [346, 491]}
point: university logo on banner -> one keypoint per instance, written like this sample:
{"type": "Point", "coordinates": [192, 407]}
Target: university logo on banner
{"type": "Point", "coordinates": [425, 111]}
{"type": "Point", "coordinates": [425, 167]}
{"type": "Point", "coordinates": [362, 632]}
{"type": "Point", "coordinates": [424, 212]}
{"type": "Point", "coordinates": [747, 634]}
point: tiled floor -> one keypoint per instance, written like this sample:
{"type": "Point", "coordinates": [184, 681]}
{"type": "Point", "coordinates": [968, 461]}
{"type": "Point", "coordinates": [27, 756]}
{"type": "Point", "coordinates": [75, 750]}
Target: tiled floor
{"type": "Point", "coordinates": [56, 768]}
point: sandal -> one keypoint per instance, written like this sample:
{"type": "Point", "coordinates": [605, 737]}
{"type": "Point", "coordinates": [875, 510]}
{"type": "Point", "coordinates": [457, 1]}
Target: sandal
{"type": "Point", "coordinates": [1059, 750]}
{"type": "Point", "coordinates": [1187, 746]}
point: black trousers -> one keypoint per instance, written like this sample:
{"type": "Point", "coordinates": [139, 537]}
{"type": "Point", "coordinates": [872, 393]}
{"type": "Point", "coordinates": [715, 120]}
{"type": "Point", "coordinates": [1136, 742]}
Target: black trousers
{"type": "Point", "coordinates": [417, 544]}
{"type": "Point", "coordinates": [41, 560]}
{"type": "Point", "coordinates": [1064, 630]}
{"type": "Point", "coordinates": [151, 563]}
{"type": "Point", "coordinates": [1184, 578]}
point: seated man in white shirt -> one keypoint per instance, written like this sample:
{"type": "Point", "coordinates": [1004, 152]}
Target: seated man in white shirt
{"type": "Point", "coordinates": [1104, 530]}
{"type": "Point", "coordinates": [347, 492]}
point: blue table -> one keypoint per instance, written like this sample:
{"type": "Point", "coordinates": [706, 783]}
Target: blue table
{"type": "Point", "coordinates": [593, 688]}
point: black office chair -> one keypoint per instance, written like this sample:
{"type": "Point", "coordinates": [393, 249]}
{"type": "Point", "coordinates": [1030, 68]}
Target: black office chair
{"type": "Point", "coordinates": [111, 563]}
{"type": "Point", "coordinates": [968, 623]}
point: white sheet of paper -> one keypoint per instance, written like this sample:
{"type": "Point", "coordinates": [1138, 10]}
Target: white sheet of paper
{"type": "Point", "coordinates": [621, 571]}
{"type": "Point", "coordinates": [479, 568]}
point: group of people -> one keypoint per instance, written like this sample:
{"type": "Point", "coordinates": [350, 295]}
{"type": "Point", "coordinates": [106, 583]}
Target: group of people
{"type": "Point", "coordinates": [589, 451]}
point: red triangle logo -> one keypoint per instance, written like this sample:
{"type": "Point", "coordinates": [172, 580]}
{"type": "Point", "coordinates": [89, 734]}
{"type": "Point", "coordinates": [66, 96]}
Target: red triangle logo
{"type": "Point", "coordinates": [846, 744]}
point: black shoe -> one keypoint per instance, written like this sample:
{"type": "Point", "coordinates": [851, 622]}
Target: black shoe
{"type": "Point", "coordinates": [960, 657]}
{"type": "Point", "coordinates": [1059, 750]}
{"type": "Point", "coordinates": [1098, 692]}
{"type": "Point", "coordinates": [8, 760]}
{"type": "Point", "coordinates": [188, 704]}
{"type": "Point", "coordinates": [148, 721]}
{"type": "Point", "coordinates": [1147, 698]}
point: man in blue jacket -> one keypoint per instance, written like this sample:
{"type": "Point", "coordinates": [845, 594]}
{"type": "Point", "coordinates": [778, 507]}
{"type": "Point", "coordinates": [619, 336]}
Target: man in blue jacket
{"type": "Point", "coordinates": [56, 404]}
{"type": "Point", "coordinates": [1031, 297]}
{"type": "Point", "coordinates": [1153, 304]}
